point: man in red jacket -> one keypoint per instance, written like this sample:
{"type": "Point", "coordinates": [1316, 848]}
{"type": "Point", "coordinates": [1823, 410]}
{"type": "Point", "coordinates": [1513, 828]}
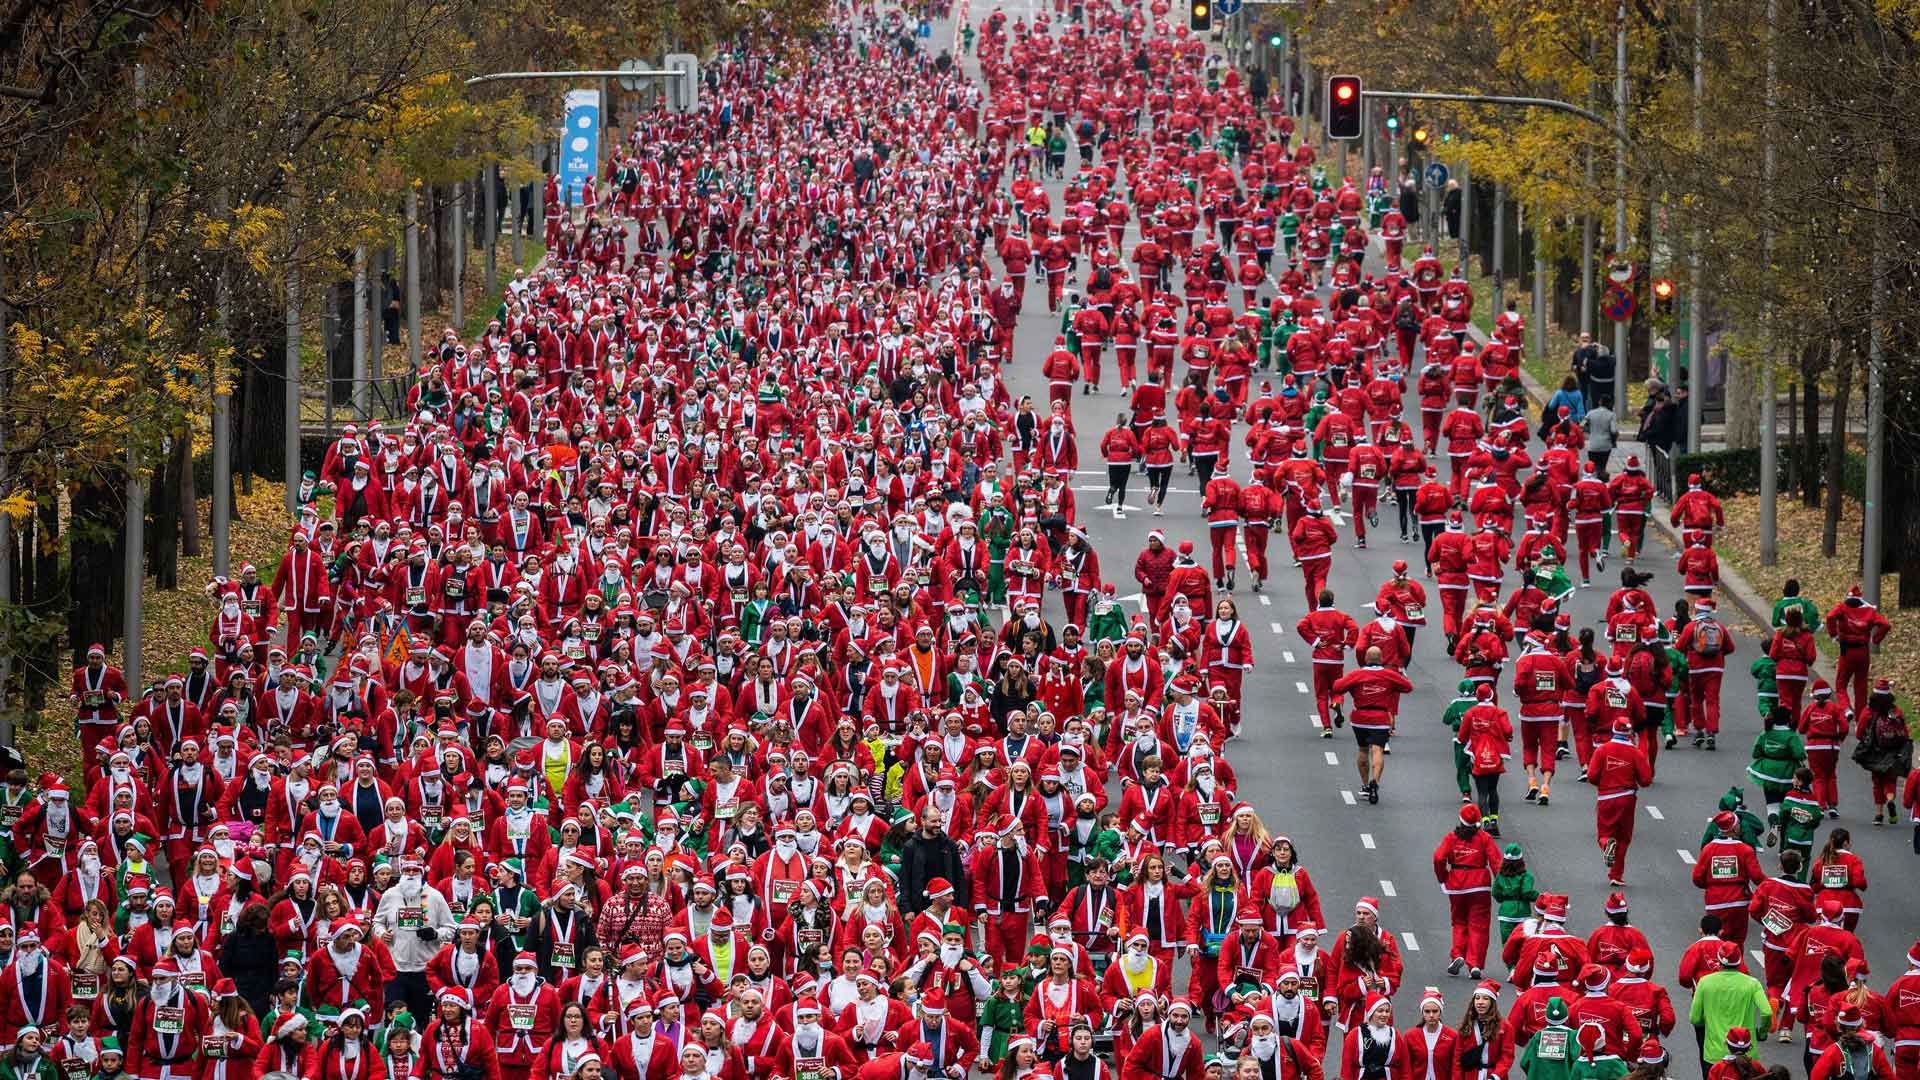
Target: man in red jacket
{"type": "Point", "coordinates": [1464, 865]}
{"type": "Point", "coordinates": [1858, 627]}
{"type": "Point", "coordinates": [1221, 503]}
{"type": "Point", "coordinates": [1259, 506]}
{"type": "Point", "coordinates": [1903, 1015]}
{"type": "Point", "coordinates": [1618, 769]}
{"type": "Point", "coordinates": [1329, 632]}
{"type": "Point", "coordinates": [1313, 538]}
{"type": "Point", "coordinates": [1376, 694]}
{"type": "Point", "coordinates": [1168, 1050]}
{"type": "Point", "coordinates": [1727, 870]}
{"type": "Point", "coordinates": [1707, 644]}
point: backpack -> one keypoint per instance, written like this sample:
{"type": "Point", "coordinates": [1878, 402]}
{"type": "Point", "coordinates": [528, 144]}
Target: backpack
{"type": "Point", "coordinates": [1407, 318]}
{"type": "Point", "coordinates": [1707, 637]}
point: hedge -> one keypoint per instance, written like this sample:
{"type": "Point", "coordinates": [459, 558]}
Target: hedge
{"type": "Point", "coordinates": [1737, 472]}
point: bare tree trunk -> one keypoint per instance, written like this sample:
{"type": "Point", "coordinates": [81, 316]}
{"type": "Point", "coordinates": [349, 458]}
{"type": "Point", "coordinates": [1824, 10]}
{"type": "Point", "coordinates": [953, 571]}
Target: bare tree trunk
{"type": "Point", "coordinates": [1836, 458]}
{"type": "Point", "coordinates": [1809, 442]}
{"type": "Point", "coordinates": [189, 505]}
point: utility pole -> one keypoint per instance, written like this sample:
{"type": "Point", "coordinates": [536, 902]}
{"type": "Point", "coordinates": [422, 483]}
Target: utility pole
{"type": "Point", "coordinates": [413, 279]}
{"type": "Point", "coordinates": [1875, 509]}
{"type": "Point", "coordinates": [1499, 271]}
{"type": "Point", "coordinates": [1539, 291]}
{"type": "Point", "coordinates": [1769, 407]}
{"type": "Point", "coordinates": [490, 228]}
{"type": "Point", "coordinates": [1696, 268]}
{"type": "Point", "coordinates": [1466, 215]}
{"type": "Point", "coordinates": [1620, 192]}
{"type": "Point", "coordinates": [134, 558]}
{"type": "Point", "coordinates": [362, 387]}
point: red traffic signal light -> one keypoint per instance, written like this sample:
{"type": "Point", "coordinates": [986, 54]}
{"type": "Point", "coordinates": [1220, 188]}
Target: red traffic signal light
{"type": "Point", "coordinates": [1343, 107]}
{"type": "Point", "coordinates": [1663, 290]}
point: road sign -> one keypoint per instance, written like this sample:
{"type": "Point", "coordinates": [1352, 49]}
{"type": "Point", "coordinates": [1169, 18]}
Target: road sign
{"type": "Point", "coordinates": [684, 92]}
{"type": "Point", "coordinates": [633, 84]}
{"type": "Point", "coordinates": [1621, 273]}
{"type": "Point", "coordinates": [1618, 304]}
{"type": "Point", "coordinates": [1227, 7]}
{"type": "Point", "coordinates": [1437, 174]}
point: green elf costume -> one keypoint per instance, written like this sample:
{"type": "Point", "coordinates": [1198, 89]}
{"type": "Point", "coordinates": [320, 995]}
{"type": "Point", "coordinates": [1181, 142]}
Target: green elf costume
{"type": "Point", "coordinates": [1809, 614]}
{"type": "Point", "coordinates": [1089, 842]}
{"type": "Point", "coordinates": [1513, 891]}
{"type": "Point", "coordinates": [1002, 1015]}
{"type": "Point", "coordinates": [1777, 751]}
{"type": "Point", "coordinates": [1800, 817]}
{"type": "Point", "coordinates": [1753, 831]}
{"type": "Point", "coordinates": [1549, 1055]}
{"type": "Point", "coordinates": [1766, 690]}
{"type": "Point", "coordinates": [514, 902]}
{"type": "Point", "coordinates": [1463, 699]}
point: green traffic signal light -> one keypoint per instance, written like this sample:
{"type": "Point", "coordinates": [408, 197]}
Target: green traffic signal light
{"type": "Point", "coordinates": [1393, 123]}
{"type": "Point", "coordinates": [1276, 40]}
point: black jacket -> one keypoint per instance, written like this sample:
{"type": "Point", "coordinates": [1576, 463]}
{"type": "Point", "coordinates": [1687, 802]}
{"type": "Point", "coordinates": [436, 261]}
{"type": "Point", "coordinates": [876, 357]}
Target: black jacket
{"type": "Point", "coordinates": [923, 859]}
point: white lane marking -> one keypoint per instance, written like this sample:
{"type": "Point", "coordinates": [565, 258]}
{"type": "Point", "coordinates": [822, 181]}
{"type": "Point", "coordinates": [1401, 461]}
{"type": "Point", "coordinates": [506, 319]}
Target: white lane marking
{"type": "Point", "coordinates": [1387, 887]}
{"type": "Point", "coordinates": [1278, 629]}
{"type": "Point", "coordinates": [1265, 600]}
{"type": "Point", "coordinates": [1758, 957]}
{"type": "Point", "coordinates": [1347, 797]}
{"type": "Point", "coordinates": [1686, 856]}
{"type": "Point", "coordinates": [1654, 813]}
{"type": "Point", "coordinates": [1366, 840]}
{"type": "Point", "coordinates": [1300, 686]}
{"type": "Point", "coordinates": [1333, 758]}
{"type": "Point", "coordinates": [1284, 654]}
{"type": "Point", "coordinates": [1413, 943]}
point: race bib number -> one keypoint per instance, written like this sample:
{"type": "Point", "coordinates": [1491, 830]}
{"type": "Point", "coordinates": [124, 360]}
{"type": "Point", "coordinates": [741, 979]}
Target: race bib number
{"type": "Point", "coordinates": [456, 589]}
{"type": "Point", "coordinates": [1338, 440]}
{"type": "Point", "coordinates": [807, 938]}
{"type": "Point", "coordinates": [1802, 816]}
{"type": "Point", "coordinates": [412, 918]}
{"type": "Point", "coordinates": [9, 814]}
{"type": "Point", "coordinates": [1415, 613]}
{"type": "Point", "coordinates": [74, 1068]}
{"type": "Point", "coordinates": [1625, 632]}
{"type": "Point", "coordinates": [1723, 867]}
{"type": "Point", "coordinates": [1366, 472]}
{"type": "Point", "coordinates": [703, 742]}
{"type": "Point", "coordinates": [1247, 975]}
{"type": "Point", "coordinates": [1210, 814]}
{"type": "Point", "coordinates": [520, 1017]}
{"type": "Point", "coordinates": [725, 811]}
{"type": "Point", "coordinates": [93, 699]}
{"type": "Point", "coordinates": [782, 890]}
{"type": "Point", "coordinates": [86, 985]}
{"type": "Point", "coordinates": [1835, 876]}
{"type": "Point", "coordinates": [251, 607]}
{"type": "Point", "coordinates": [1544, 680]}
{"type": "Point", "coordinates": [1616, 699]}
{"type": "Point", "coordinates": [563, 954]}
{"type": "Point", "coordinates": [195, 979]}
{"type": "Point", "coordinates": [170, 1019]}
{"type": "Point", "coordinates": [433, 817]}
{"type": "Point", "coordinates": [56, 846]}
{"type": "Point", "coordinates": [809, 1068]}
{"type": "Point", "coordinates": [213, 1046]}
{"type": "Point", "coordinates": [416, 597]}
{"type": "Point", "coordinates": [1776, 923]}
{"type": "Point", "coordinates": [1552, 1045]}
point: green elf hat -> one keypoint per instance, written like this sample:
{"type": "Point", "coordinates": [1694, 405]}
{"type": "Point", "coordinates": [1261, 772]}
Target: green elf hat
{"type": "Point", "coordinates": [515, 866]}
{"type": "Point", "coordinates": [140, 840]}
{"type": "Point", "coordinates": [1556, 1010]}
{"type": "Point", "coordinates": [953, 928]}
{"type": "Point", "coordinates": [111, 1045]}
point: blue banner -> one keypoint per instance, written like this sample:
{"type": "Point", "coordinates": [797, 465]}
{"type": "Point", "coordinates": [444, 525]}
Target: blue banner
{"type": "Point", "coordinates": [580, 146]}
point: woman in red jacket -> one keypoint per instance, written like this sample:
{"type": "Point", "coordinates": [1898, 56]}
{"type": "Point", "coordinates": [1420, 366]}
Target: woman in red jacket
{"type": "Point", "coordinates": [1483, 1046]}
{"type": "Point", "coordinates": [236, 1031]}
{"type": "Point", "coordinates": [1792, 651]}
{"type": "Point", "coordinates": [1120, 448]}
{"type": "Point", "coordinates": [572, 1041]}
{"type": "Point", "coordinates": [1158, 445]}
{"type": "Point", "coordinates": [1153, 903]}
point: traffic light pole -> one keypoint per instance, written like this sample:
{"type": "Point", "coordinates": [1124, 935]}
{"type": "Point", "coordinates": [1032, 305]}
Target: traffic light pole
{"type": "Point", "coordinates": [1619, 131]}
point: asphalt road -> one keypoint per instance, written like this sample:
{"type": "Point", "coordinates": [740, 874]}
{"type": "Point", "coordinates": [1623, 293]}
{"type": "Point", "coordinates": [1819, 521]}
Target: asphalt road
{"type": "Point", "coordinates": [1307, 788]}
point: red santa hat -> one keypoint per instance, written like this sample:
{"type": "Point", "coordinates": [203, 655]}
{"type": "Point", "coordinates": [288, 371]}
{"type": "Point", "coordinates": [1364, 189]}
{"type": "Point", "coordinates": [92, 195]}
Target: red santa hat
{"type": "Point", "coordinates": [1616, 904]}
{"type": "Point", "coordinates": [934, 1002]}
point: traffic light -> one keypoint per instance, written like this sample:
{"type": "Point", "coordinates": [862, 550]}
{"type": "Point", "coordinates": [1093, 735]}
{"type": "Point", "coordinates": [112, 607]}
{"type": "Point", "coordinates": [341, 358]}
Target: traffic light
{"type": "Point", "coordinates": [1276, 40]}
{"type": "Point", "coordinates": [1662, 296]}
{"type": "Point", "coordinates": [1421, 134]}
{"type": "Point", "coordinates": [1343, 107]}
{"type": "Point", "coordinates": [1200, 16]}
{"type": "Point", "coordinates": [1393, 122]}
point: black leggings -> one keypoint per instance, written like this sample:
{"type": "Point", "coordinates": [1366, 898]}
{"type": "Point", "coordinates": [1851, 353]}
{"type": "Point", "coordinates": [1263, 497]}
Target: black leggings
{"type": "Point", "coordinates": [1487, 787]}
{"type": "Point", "coordinates": [1158, 476]}
{"type": "Point", "coordinates": [1203, 467]}
{"type": "Point", "coordinates": [1117, 483]}
{"type": "Point", "coordinates": [1429, 530]}
{"type": "Point", "coordinates": [1409, 521]}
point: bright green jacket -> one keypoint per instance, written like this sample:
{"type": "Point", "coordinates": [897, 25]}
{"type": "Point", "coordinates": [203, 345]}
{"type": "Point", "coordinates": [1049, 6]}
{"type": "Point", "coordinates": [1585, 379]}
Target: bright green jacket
{"type": "Point", "coordinates": [1727, 999]}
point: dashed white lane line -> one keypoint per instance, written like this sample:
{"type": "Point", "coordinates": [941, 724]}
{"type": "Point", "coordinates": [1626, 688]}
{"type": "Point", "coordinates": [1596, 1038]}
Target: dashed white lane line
{"type": "Point", "coordinates": [1759, 957]}
{"type": "Point", "coordinates": [1279, 629]}
{"type": "Point", "coordinates": [1654, 813]}
{"type": "Point", "coordinates": [1284, 653]}
{"type": "Point", "coordinates": [1412, 943]}
{"type": "Point", "coordinates": [1386, 887]}
{"type": "Point", "coordinates": [1347, 797]}
{"type": "Point", "coordinates": [1333, 758]}
{"type": "Point", "coordinates": [1686, 856]}
{"type": "Point", "coordinates": [1300, 686]}
{"type": "Point", "coordinates": [1366, 840]}
{"type": "Point", "coordinates": [1265, 600]}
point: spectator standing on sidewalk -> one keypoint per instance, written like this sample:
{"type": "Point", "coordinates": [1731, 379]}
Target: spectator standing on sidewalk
{"type": "Point", "coordinates": [1602, 432]}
